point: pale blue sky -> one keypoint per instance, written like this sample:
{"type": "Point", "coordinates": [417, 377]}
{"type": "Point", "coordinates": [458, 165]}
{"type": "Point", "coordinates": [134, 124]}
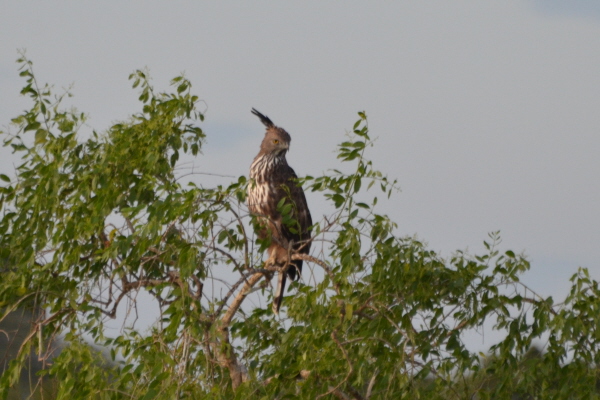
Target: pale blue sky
{"type": "Point", "coordinates": [486, 112]}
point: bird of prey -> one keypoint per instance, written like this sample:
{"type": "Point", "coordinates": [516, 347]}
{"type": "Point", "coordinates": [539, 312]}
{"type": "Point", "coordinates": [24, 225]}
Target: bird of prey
{"type": "Point", "coordinates": [271, 180]}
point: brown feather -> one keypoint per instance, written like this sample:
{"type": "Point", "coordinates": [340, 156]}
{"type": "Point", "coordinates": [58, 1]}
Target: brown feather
{"type": "Point", "coordinates": [272, 179]}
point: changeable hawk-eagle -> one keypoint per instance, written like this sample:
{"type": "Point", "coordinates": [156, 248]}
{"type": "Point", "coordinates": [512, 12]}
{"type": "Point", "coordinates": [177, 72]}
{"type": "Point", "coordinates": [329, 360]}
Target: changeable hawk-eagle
{"type": "Point", "coordinates": [272, 180]}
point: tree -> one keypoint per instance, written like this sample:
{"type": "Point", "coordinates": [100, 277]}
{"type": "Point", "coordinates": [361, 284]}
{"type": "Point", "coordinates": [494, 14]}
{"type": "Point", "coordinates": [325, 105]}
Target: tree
{"type": "Point", "coordinates": [92, 223]}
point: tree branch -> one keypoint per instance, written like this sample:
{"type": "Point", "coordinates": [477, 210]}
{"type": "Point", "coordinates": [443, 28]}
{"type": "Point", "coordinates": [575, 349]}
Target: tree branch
{"type": "Point", "coordinates": [225, 353]}
{"type": "Point", "coordinates": [322, 264]}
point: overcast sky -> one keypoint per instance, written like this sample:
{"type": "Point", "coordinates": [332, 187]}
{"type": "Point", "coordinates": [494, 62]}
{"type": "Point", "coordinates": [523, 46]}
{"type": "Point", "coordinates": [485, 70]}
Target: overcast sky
{"type": "Point", "coordinates": [487, 113]}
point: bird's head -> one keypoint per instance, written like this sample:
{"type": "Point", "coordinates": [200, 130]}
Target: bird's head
{"type": "Point", "coordinates": [276, 140]}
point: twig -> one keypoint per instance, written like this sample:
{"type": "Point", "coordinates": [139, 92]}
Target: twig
{"type": "Point", "coordinates": [237, 302]}
{"type": "Point", "coordinates": [322, 264]}
{"type": "Point", "coordinates": [371, 384]}
{"type": "Point", "coordinates": [334, 390]}
{"type": "Point", "coordinates": [230, 293]}
{"type": "Point", "coordinates": [241, 225]}
{"type": "Point", "coordinates": [338, 393]}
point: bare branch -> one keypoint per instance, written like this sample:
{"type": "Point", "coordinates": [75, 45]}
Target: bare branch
{"type": "Point", "coordinates": [237, 302]}
{"type": "Point", "coordinates": [322, 264]}
{"type": "Point", "coordinates": [226, 355]}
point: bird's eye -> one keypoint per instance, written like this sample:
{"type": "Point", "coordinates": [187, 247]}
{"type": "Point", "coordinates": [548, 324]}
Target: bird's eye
{"type": "Point", "coordinates": [275, 141]}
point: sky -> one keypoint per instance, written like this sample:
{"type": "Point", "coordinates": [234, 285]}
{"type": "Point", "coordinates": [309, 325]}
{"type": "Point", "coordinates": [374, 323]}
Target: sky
{"type": "Point", "coordinates": [485, 112]}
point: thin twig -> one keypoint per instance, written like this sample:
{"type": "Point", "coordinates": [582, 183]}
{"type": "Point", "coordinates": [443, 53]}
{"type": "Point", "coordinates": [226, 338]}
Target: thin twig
{"type": "Point", "coordinates": [350, 366]}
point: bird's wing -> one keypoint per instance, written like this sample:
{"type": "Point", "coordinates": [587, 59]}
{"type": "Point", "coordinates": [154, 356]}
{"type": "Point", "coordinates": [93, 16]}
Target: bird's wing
{"type": "Point", "coordinates": [304, 217]}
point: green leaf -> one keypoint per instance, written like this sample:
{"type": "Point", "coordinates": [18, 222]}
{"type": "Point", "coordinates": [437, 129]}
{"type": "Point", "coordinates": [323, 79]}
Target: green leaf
{"type": "Point", "coordinates": [40, 136]}
{"type": "Point", "coordinates": [357, 184]}
{"type": "Point", "coordinates": [338, 200]}
{"type": "Point", "coordinates": [182, 88]}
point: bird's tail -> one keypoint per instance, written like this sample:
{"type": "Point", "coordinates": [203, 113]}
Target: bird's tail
{"type": "Point", "coordinates": [282, 277]}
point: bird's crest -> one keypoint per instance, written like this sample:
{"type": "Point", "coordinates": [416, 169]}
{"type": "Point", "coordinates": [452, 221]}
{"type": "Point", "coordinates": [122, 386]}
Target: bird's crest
{"type": "Point", "coordinates": [263, 118]}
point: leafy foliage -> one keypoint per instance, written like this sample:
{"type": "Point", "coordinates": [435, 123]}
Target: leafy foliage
{"type": "Point", "coordinates": [93, 223]}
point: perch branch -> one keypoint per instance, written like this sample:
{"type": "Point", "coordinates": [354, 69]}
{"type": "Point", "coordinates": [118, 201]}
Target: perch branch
{"type": "Point", "coordinates": [226, 355]}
